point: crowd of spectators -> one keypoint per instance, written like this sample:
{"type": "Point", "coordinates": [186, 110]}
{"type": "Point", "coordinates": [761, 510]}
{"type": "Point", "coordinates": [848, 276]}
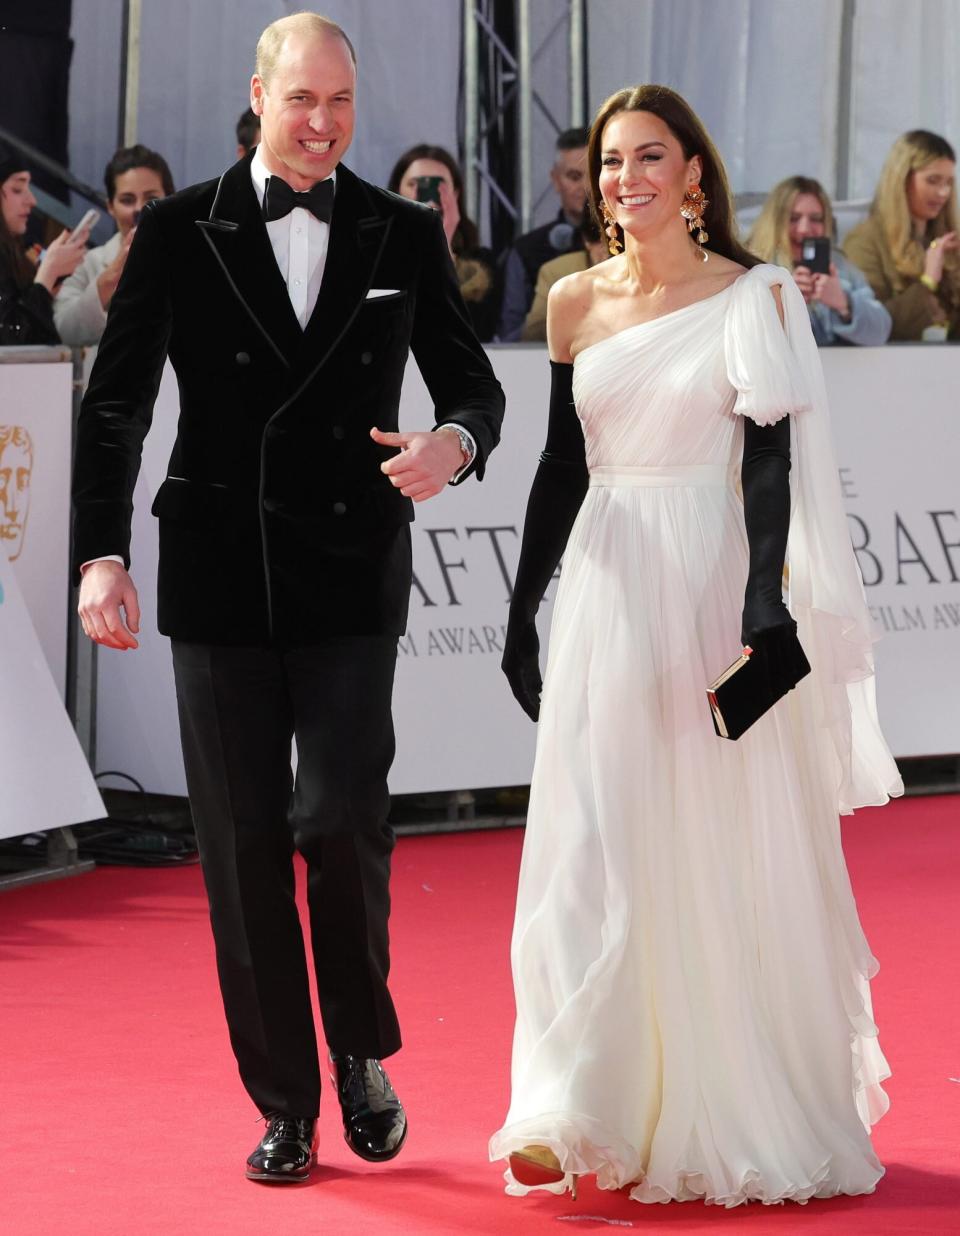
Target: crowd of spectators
{"type": "Point", "coordinates": [896, 276]}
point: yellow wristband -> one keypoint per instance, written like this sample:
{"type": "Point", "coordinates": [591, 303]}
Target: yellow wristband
{"type": "Point", "coordinates": [930, 284]}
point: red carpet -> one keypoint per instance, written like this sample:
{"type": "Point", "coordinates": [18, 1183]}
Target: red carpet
{"type": "Point", "coordinates": [123, 1114]}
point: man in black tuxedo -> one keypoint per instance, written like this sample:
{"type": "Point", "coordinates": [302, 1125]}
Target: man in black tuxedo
{"type": "Point", "coordinates": [287, 295]}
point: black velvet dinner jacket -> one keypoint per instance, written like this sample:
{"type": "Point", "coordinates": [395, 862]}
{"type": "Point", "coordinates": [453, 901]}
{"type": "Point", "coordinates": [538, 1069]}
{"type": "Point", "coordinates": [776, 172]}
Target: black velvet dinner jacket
{"type": "Point", "coordinates": [276, 524]}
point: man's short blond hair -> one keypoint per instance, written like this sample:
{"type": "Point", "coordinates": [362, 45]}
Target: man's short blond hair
{"type": "Point", "coordinates": [270, 43]}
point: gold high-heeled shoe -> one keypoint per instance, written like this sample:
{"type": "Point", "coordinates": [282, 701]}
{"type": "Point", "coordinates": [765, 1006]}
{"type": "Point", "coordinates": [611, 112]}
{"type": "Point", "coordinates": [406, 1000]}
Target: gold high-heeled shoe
{"type": "Point", "coordinates": [538, 1165]}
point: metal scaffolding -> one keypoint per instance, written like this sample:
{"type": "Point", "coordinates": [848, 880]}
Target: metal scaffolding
{"type": "Point", "coordinates": [503, 82]}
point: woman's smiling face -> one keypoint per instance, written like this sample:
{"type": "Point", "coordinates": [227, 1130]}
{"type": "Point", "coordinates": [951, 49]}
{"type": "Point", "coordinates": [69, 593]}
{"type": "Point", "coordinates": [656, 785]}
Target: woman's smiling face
{"type": "Point", "coordinates": [644, 173]}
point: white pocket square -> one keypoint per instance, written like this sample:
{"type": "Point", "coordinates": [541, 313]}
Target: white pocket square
{"type": "Point", "coordinates": [374, 293]}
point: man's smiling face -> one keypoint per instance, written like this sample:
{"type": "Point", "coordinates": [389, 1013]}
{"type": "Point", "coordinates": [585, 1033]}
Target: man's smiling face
{"type": "Point", "coordinates": [306, 108]}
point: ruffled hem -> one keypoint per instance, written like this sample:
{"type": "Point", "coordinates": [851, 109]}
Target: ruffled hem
{"type": "Point", "coordinates": [584, 1148]}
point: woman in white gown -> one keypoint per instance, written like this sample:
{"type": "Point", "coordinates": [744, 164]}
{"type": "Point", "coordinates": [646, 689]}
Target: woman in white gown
{"type": "Point", "coordinates": [692, 981]}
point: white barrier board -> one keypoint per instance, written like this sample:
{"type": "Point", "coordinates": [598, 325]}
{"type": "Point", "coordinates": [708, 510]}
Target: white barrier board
{"type": "Point", "coordinates": [457, 723]}
{"type": "Point", "coordinates": [46, 780]}
{"type": "Point", "coordinates": [898, 449]}
{"type": "Point", "coordinates": [35, 443]}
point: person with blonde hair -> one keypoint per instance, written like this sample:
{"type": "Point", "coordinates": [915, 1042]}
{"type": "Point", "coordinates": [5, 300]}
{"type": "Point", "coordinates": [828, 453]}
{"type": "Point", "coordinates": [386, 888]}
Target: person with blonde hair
{"type": "Point", "coordinates": [288, 293]}
{"type": "Point", "coordinates": [908, 245]}
{"type": "Point", "coordinates": [681, 895]}
{"type": "Point", "coordinates": [841, 303]}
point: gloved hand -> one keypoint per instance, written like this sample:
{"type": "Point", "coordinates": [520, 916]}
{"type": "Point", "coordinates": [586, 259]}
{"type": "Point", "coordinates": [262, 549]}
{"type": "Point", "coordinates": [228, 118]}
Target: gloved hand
{"type": "Point", "coordinates": [521, 664]}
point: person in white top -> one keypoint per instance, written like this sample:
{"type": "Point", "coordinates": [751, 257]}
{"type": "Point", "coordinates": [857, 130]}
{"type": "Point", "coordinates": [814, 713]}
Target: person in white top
{"type": "Point", "coordinates": [134, 176]}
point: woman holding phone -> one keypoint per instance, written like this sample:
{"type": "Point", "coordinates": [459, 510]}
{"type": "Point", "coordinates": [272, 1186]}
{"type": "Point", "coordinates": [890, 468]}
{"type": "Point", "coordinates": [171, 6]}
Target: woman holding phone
{"type": "Point", "coordinates": [134, 176]}
{"type": "Point", "coordinates": [430, 174]}
{"type": "Point", "coordinates": [28, 288]}
{"type": "Point", "coordinates": [840, 301]}
{"type": "Point", "coordinates": [909, 245]}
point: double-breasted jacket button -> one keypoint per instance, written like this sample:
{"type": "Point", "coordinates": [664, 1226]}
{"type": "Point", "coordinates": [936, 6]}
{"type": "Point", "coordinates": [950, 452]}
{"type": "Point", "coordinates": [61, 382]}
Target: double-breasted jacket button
{"type": "Point", "coordinates": [339, 508]}
{"type": "Point", "coordinates": [366, 358]}
{"type": "Point", "coordinates": [269, 504]}
{"type": "Point", "coordinates": [243, 358]}
{"type": "Point", "coordinates": [339, 432]}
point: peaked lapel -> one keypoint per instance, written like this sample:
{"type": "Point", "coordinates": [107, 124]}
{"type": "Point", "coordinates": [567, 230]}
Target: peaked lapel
{"type": "Point", "coordinates": [358, 233]}
{"type": "Point", "coordinates": [237, 236]}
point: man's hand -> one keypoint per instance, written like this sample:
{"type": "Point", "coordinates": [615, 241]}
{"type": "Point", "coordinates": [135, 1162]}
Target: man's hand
{"type": "Point", "coordinates": [105, 589]}
{"type": "Point", "coordinates": [426, 461]}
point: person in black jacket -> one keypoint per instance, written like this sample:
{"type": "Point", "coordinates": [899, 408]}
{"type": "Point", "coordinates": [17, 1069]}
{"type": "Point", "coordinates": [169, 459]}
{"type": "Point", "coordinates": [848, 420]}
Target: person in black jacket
{"type": "Point", "coordinates": [27, 289]}
{"type": "Point", "coordinates": [522, 262]}
{"type": "Point", "coordinates": [287, 295]}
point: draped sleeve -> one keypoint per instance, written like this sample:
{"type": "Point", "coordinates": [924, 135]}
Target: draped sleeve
{"type": "Point", "coordinates": [775, 370]}
{"type": "Point", "coordinates": [761, 363]}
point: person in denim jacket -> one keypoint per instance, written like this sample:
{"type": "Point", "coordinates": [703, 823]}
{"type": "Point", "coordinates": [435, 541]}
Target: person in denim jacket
{"type": "Point", "coordinates": [842, 305]}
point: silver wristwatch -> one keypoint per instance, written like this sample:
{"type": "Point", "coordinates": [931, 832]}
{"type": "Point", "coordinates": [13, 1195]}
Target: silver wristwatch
{"type": "Point", "coordinates": [466, 444]}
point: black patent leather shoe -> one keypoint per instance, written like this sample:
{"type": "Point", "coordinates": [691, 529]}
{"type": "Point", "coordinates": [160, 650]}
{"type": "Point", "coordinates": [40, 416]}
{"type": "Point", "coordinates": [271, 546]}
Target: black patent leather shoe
{"type": "Point", "coordinates": [374, 1122]}
{"type": "Point", "coordinates": [286, 1152]}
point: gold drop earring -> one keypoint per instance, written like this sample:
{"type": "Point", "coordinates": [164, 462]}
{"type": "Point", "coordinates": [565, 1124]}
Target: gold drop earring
{"type": "Point", "coordinates": [694, 204]}
{"type": "Point", "coordinates": [610, 227]}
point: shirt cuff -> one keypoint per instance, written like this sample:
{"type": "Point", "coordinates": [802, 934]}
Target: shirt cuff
{"type": "Point", "coordinates": [105, 558]}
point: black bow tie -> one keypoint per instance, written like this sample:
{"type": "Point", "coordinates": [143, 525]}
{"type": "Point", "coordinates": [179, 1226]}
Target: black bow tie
{"type": "Point", "coordinates": [279, 199]}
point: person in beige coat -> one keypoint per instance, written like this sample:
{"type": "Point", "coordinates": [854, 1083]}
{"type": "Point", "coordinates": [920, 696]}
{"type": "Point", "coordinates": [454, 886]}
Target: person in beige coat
{"type": "Point", "coordinates": [134, 176]}
{"type": "Point", "coordinates": [594, 250]}
{"type": "Point", "coordinates": [908, 246]}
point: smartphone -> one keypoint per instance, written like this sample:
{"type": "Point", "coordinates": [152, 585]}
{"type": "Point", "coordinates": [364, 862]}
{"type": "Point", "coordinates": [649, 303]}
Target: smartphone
{"type": "Point", "coordinates": [428, 188]}
{"type": "Point", "coordinates": [88, 220]}
{"type": "Point", "coordinates": [815, 254]}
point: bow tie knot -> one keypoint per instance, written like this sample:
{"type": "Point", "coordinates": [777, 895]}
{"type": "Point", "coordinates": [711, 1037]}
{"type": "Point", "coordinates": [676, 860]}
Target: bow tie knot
{"type": "Point", "coordinates": [279, 199]}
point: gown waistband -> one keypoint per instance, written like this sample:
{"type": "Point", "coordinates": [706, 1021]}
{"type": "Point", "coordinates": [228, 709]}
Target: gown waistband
{"type": "Point", "coordinates": [687, 474]}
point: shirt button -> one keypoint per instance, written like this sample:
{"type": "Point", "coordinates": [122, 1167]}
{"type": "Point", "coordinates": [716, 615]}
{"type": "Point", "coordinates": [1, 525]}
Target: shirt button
{"type": "Point", "coordinates": [243, 358]}
{"type": "Point", "coordinates": [339, 508]}
{"type": "Point", "coordinates": [296, 282]}
{"type": "Point", "coordinates": [366, 358]}
{"type": "Point", "coordinates": [298, 230]}
{"type": "Point", "coordinates": [339, 432]}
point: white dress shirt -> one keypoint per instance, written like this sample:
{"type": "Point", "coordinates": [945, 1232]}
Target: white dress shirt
{"type": "Point", "coordinates": [300, 241]}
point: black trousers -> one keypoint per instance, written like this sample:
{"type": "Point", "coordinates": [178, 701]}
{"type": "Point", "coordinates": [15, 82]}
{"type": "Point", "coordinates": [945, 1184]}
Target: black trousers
{"type": "Point", "coordinates": [239, 709]}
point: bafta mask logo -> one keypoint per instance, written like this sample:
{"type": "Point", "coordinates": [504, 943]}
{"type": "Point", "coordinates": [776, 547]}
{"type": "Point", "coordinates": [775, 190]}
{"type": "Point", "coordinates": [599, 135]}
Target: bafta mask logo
{"type": "Point", "coordinates": [16, 467]}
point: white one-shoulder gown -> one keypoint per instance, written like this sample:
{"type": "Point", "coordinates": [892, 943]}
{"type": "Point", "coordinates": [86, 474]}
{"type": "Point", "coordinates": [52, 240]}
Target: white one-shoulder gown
{"type": "Point", "coordinates": [693, 1004]}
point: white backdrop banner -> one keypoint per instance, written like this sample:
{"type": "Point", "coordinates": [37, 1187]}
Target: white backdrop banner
{"type": "Point", "coordinates": [895, 428]}
{"type": "Point", "coordinates": [35, 444]}
{"type": "Point", "coordinates": [458, 726]}
{"type": "Point", "coordinates": [46, 780]}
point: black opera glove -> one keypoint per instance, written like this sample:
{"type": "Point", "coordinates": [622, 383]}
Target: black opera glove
{"type": "Point", "coordinates": [767, 626]}
{"type": "Point", "coordinates": [555, 497]}
{"type": "Point", "coordinates": [521, 664]}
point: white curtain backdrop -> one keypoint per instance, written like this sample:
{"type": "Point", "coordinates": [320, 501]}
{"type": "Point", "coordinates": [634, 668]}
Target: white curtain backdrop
{"type": "Point", "coordinates": [766, 76]}
{"type": "Point", "coordinates": [906, 75]}
{"type": "Point", "coordinates": [195, 67]}
{"type": "Point", "coordinates": [761, 74]}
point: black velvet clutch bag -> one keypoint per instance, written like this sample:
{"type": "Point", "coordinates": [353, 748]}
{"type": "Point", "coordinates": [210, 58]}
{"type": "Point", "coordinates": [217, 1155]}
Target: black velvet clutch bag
{"type": "Point", "coordinates": [756, 680]}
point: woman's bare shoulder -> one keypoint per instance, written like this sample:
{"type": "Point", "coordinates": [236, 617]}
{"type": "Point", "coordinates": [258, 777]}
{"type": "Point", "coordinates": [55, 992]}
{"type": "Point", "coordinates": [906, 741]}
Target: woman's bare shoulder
{"type": "Point", "coordinates": [569, 300]}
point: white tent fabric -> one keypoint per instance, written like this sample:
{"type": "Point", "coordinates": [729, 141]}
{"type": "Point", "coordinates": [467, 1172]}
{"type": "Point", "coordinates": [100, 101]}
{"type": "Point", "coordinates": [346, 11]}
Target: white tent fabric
{"type": "Point", "coordinates": [195, 67]}
{"type": "Point", "coordinates": [766, 77]}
